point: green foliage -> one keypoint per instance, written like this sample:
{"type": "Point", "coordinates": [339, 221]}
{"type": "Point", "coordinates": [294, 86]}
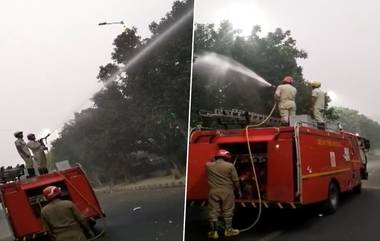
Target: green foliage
{"type": "Point", "coordinates": [138, 123]}
{"type": "Point", "coordinates": [355, 122]}
{"type": "Point", "coordinates": [272, 57]}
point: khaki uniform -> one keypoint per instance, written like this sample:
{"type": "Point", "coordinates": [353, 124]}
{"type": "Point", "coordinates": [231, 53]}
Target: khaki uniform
{"type": "Point", "coordinates": [62, 220]}
{"type": "Point", "coordinates": [38, 152]}
{"type": "Point", "coordinates": [319, 104]}
{"type": "Point", "coordinates": [221, 199]}
{"type": "Point", "coordinates": [285, 95]}
{"type": "Point", "coordinates": [22, 149]}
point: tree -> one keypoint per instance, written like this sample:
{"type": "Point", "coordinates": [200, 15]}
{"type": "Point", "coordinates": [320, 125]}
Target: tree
{"type": "Point", "coordinates": [142, 108]}
{"type": "Point", "coordinates": [272, 57]}
{"type": "Point", "coordinates": [355, 122]}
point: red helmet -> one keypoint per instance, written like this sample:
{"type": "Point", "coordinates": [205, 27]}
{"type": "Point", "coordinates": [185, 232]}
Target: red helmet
{"type": "Point", "coordinates": [51, 192]}
{"type": "Point", "coordinates": [223, 153]}
{"type": "Point", "coordinates": [288, 80]}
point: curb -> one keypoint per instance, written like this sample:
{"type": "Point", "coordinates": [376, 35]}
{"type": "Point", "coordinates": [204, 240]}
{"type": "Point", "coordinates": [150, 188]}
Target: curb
{"type": "Point", "coordinates": [171, 184]}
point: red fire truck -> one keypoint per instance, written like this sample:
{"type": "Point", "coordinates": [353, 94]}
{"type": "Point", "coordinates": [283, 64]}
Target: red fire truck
{"type": "Point", "coordinates": [22, 200]}
{"type": "Point", "coordinates": [295, 165]}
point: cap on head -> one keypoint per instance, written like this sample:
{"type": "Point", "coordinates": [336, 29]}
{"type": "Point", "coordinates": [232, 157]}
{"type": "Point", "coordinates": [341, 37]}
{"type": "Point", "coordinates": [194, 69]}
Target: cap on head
{"type": "Point", "coordinates": [31, 137]}
{"type": "Point", "coordinates": [315, 84]}
{"type": "Point", "coordinates": [223, 154]}
{"type": "Point", "coordinates": [51, 192]}
{"type": "Point", "coordinates": [18, 134]}
{"type": "Point", "coordinates": [288, 80]}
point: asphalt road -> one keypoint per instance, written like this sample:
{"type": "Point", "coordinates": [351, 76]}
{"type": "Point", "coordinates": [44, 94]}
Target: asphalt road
{"type": "Point", "coordinates": [137, 216]}
{"type": "Point", "coordinates": [357, 218]}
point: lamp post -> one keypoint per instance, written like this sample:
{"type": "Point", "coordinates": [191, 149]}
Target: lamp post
{"type": "Point", "coordinates": [109, 23]}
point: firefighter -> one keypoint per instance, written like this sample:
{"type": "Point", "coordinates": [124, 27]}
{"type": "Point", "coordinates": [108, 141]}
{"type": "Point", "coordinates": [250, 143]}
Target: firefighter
{"type": "Point", "coordinates": [24, 152]}
{"type": "Point", "coordinates": [222, 179]}
{"type": "Point", "coordinates": [318, 102]}
{"type": "Point", "coordinates": [38, 149]}
{"type": "Point", "coordinates": [61, 219]}
{"type": "Point", "coordinates": [285, 96]}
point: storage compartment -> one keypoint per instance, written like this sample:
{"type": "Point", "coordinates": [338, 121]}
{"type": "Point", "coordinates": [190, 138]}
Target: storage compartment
{"type": "Point", "coordinates": [37, 200]}
{"type": "Point", "coordinates": [243, 164]}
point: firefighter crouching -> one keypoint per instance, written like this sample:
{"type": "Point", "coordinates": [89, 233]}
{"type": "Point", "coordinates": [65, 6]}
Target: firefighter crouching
{"type": "Point", "coordinates": [222, 179]}
{"type": "Point", "coordinates": [61, 218]}
{"type": "Point", "coordinates": [318, 102]}
{"type": "Point", "coordinates": [38, 150]}
{"type": "Point", "coordinates": [285, 96]}
{"type": "Point", "coordinates": [24, 152]}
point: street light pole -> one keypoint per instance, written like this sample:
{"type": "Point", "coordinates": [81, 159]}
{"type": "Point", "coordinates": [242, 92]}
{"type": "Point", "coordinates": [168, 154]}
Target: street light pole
{"type": "Point", "coordinates": [109, 23]}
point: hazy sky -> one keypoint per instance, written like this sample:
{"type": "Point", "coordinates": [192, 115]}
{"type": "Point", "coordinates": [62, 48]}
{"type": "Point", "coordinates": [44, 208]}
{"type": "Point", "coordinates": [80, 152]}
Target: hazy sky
{"type": "Point", "coordinates": [50, 56]}
{"type": "Point", "coordinates": [341, 37]}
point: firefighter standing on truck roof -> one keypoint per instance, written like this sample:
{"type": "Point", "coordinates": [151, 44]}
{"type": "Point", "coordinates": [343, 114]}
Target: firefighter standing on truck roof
{"type": "Point", "coordinates": [222, 179]}
{"type": "Point", "coordinates": [285, 96]}
{"type": "Point", "coordinates": [318, 102]}
{"type": "Point", "coordinates": [38, 150]}
{"type": "Point", "coordinates": [24, 152]}
{"type": "Point", "coordinates": [62, 219]}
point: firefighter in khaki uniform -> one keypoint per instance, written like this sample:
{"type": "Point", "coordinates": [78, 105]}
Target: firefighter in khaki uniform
{"type": "Point", "coordinates": [222, 178]}
{"type": "Point", "coordinates": [24, 152]}
{"type": "Point", "coordinates": [38, 150]}
{"type": "Point", "coordinates": [285, 96]}
{"type": "Point", "coordinates": [318, 102]}
{"type": "Point", "coordinates": [61, 218]}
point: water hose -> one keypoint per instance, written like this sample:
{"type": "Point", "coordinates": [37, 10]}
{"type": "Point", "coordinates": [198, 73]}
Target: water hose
{"type": "Point", "coordinates": [254, 170]}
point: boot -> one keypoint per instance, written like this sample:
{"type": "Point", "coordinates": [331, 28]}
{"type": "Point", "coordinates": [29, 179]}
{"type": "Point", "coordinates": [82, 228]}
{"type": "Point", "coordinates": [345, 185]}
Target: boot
{"type": "Point", "coordinates": [213, 233]}
{"type": "Point", "coordinates": [321, 125]}
{"type": "Point", "coordinates": [46, 171]}
{"type": "Point", "coordinates": [229, 231]}
{"type": "Point", "coordinates": [41, 171]}
{"type": "Point", "coordinates": [31, 173]}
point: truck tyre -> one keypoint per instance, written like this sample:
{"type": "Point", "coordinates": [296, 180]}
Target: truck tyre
{"type": "Point", "coordinates": [331, 204]}
{"type": "Point", "coordinates": [357, 189]}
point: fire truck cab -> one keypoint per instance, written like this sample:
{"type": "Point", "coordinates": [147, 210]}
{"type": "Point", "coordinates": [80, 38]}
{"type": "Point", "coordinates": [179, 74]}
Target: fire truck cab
{"type": "Point", "coordinates": [295, 165]}
{"type": "Point", "coordinates": [22, 200]}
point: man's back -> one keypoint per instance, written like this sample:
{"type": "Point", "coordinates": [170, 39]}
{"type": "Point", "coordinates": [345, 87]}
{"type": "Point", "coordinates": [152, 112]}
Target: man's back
{"type": "Point", "coordinates": [38, 152]}
{"type": "Point", "coordinates": [61, 216]}
{"type": "Point", "coordinates": [35, 146]}
{"type": "Point", "coordinates": [221, 174]}
{"type": "Point", "coordinates": [286, 92]}
{"type": "Point", "coordinates": [22, 148]}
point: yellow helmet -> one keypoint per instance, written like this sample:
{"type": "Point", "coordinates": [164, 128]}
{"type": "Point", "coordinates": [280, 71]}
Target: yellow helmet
{"type": "Point", "coordinates": [315, 84]}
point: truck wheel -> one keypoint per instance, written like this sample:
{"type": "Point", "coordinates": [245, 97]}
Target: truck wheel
{"type": "Point", "coordinates": [357, 189]}
{"type": "Point", "coordinates": [331, 204]}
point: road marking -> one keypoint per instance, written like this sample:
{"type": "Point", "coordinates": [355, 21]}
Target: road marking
{"type": "Point", "coordinates": [271, 236]}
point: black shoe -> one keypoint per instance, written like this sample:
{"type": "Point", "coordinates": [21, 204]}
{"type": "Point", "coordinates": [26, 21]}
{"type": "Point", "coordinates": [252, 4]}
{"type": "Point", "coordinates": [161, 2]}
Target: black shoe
{"type": "Point", "coordinates": [31, 173]}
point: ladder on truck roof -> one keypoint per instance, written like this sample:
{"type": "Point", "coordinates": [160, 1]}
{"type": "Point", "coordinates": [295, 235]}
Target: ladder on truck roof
{"type": "Point", "coordinates": [9, 174]}
{"type": "Point", "coordinates": [235, 117]}
{"type": "Point", "coordinates": [241, 118]}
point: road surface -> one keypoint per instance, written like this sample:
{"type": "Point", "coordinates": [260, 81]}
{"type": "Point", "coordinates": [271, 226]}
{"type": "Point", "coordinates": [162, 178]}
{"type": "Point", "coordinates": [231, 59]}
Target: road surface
{"type": "Point", "coordinates": [158, 216]}
{"type": "Point", "coordinates": [357, 218]}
